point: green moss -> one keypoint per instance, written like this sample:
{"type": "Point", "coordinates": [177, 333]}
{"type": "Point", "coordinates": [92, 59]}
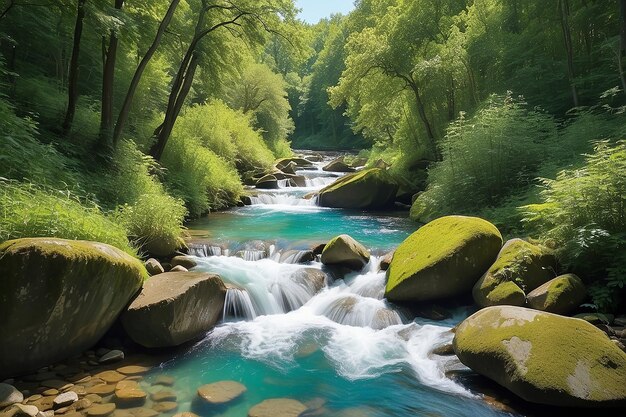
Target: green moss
{"type": "Point", "coordinates": [373, 174]}
{"type": "Point", "coordinates": [524, 263]}
{"type": "Point", "coordinates": [451, 251]}
{"type": "Point", "coordinates": [507, 293]}
{"type": "Point", "coordinates": [344, 250]}
{"type": "Point", "coordinates": [543, 357]}
{"type": "Point", "coordinates": [559, 295]}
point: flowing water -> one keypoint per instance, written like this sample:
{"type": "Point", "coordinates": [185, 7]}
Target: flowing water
{"type": "Point", "coordinates": [292, 330]}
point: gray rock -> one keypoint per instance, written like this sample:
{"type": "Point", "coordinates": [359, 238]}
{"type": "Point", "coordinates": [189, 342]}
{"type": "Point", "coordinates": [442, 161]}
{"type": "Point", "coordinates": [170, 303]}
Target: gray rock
{"type": "Point", "coordinates": [187, 262]}
{"type": "Point", "coordinates": [65, 399]}
{"type": "Point", "coordinates": [9, 395]}
{"type": "Point", "coordinates": [112, 356]}
{"type": "Point", "coordinates": [174, 308]}
{"type": "Point", "coordinates": [21, 410]}
{"type": "Point", "coordinates": [154, 267]}
{"type": "Point", "coordinates": [179, 268]}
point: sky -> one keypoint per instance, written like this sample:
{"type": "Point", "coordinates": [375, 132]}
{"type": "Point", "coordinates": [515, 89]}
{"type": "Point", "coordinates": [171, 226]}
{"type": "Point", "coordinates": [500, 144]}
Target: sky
{"type": "Point", "coordinates": [314, 10]}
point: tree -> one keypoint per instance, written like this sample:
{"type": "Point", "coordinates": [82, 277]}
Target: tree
{"type": "Point", "coordinates": [249, 19]}
{"type": "Point", "coordinates": [126, 106]}
{"type": "Point", "coordinates": [569, 50]}
{"type": "Point", "coordinates": [109, 56]}
{"type": "Point", "coordinates": [72, 88]}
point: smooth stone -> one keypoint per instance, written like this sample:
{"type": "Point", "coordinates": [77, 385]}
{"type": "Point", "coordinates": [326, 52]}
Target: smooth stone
{"type": "Point", "coordinates": [133, 370]}
{"type": "Point", "coordinates": [178, 268]}
{"type": "Point", "coordinates": [130, 395]}
{"type": "Point", "coordinates": [101, 410]}
{"type": "Point", "coordinates": [164, 395]}
{"type": "Point", "coordinates": [65, 399]}
{"type": "Point", "coordinates": [154, 267]}
{"type": "Point", "coordinates": [49, 413]}
{"type": "Point", "coordinates": [25, 410]}
{"type": "Point", "coordinates": [9, 395]}
{"type": "Point", "coordinates": [164, 380]}
{"type": "Point", "coordinates": [103, 389]}
{"type": "Point", "coordinates": [82, 404]}
{"type": "Point", "coordinates": [221, 392]}
{"type": "Point", "coordinates": [50, 392]}
{"type": "Point", "coordinates": [44, 403]}
{"type": "Point", "coordinates": [165, 406]}
{"type": "Point", "coordinates": [112, 357]}
{"type": "Point", "coordinates": [278, 407]}
{"type": "Point", "coordinates": [94, 398]}
{"type": "Point", "coordinates": [143, 412]}
{"type": "Point", "coordinates": [111, 377]}
{"type": "Point", "coordinates": [126, 384]}
{"type": "Point", "coordinates": [55, 384]}
{"type": "Point", "coordinates": [186, 414]}
{"type": "Point", "coordinates": [34, 397]}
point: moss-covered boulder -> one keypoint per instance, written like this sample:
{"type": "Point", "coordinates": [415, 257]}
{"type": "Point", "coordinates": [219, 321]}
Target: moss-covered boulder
{"type": "Point", "coordinates": [338, 165]}
{"type": "Point", "coordinates": [561, 295]}
{"type": "Point", "coordinates": [367, 189]}
{"type": "Point", "coordinates": [442, 259]}
{"type": "Point", "coordinates": [542, 357]}
{"type": "Point", "coordinates": [345, 251]}
{"type": "Point", "coordinates": [283, 163]}
{"type": "Point", "coordinates": [58, 297]}
{"type": "Point", "coordinates": [520, 267]}
{"type": "Point", "coordinates": [174, 308]}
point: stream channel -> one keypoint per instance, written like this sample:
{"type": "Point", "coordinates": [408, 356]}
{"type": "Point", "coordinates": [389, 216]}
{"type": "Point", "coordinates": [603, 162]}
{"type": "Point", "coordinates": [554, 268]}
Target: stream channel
{"type": "Point", "coordinates": [342, 351]}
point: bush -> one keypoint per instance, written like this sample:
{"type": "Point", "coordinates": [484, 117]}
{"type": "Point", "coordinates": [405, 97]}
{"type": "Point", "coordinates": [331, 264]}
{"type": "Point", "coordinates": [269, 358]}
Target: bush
{"type": "Point", "coordinates": [486, 158]}
{"type": "Point", "coordinates": [153, 219]}
{"type": "Point", "coordinates": [584, 213]}
{"type": "Point", "coordinates": [198, 176]}
{"type": "Point", "coordinates": [27, 210]}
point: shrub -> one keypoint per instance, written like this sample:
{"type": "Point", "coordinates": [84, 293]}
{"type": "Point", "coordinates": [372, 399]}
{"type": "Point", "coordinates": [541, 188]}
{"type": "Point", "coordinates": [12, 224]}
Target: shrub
{"type": "Point", "coordinates": [486, 158]}
{"type": "Point", "coordinates": [584, 213]}
{"type": "Point", "coordinates": [27, 210]}
{"type": "Point", "coordinates": [153, 219]}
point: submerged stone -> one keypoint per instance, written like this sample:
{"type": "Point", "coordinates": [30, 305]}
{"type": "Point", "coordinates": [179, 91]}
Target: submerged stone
{"type": "Point", "coordinates": [278, 407]}
{"type": "Point", "coordinates": [221, 392]}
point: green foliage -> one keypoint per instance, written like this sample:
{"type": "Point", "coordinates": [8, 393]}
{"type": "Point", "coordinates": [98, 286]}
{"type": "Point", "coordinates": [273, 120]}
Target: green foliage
{"type": "Point", "coordinates": [27, 210]}
{"type": "Point", "coordinates": [487, 158]}
{"type": "Point", "coordinates": [153, 219]}
{"type": "Point", "coordinates": [584, 212]}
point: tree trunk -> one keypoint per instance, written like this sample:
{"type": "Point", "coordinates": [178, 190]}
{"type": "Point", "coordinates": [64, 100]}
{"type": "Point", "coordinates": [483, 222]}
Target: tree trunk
{"type": "Point", "coordinates": [567, 37]}
{"type": "Point", "coordinates": [108, 80]}
{"type": "Point", "coordinates": [622, 43]}
{"type": "Point", "coordinates": [128, 100]}
{"type": "Point", "coordinates": [421, 110]}
{"type": "Point", "coordinates": [72, 88]}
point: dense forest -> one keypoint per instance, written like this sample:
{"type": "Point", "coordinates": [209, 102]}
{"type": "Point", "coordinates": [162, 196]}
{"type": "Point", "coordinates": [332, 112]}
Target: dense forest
{"type": "Point", "coordinates": [123, 119]}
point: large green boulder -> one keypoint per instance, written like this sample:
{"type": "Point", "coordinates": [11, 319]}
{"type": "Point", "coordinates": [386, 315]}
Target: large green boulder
{"type": "Point", "coordinates": [520, 267]}
{"type": "Point", "coordinates": [174, 308]}
{"type": "Point", "coordinates": [343, 250]}
{"type": "Point", "coordinates": [367, 189]}
{"type": "Point", "coordinates": [561, 295]}
{"type": "Point", "coordinates": [442, 259]}
{"type": "Point", "coordinates": [542, 357]}
{"type": "Point", "coordinates": [58, 297]}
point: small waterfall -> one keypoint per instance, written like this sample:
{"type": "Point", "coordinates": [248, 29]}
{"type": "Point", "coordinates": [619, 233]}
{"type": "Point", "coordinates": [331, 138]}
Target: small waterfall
{"type": "Point", "coordinates": [238, 304]}
{"type": "Point", "coordinates": [319, 182]}
{"type": "Point", "coordinates": [286, 183]}
{"type": "Point", "coordinates": [206, 250]}
{"type": "Point", "coordinates": [251, 255]}
{"type": "Point", "coordinates": [353, 310]}
{"type": "Point", "coordinates": [269, 199]}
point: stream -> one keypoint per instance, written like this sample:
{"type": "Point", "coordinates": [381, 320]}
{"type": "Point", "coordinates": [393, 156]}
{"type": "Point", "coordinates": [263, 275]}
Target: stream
{"type": "Point", "coordinates": [343, 350]}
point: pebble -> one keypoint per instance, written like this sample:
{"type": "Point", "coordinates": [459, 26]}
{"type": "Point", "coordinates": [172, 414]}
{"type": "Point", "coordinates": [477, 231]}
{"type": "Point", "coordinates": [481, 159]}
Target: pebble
{"type": "Point", "coordinates": [94, 398]}
{"type": "Point", "coordinates": [44, 403]}
{"type": "Point", "coordinates": [130, 395]}
{"type": "Point", "coordinates": [179, 268]}
{"type": "Point", "coordinates": [186, 414]}
{"type": "Point", "coordinates": [112, 377]}
{"type": "Point", "coordinates": [82, 404]}
{"type": "Point", "coordinates": [50, 392]}
{"type": "Point", "coordinates": [49, 413]}
{"type": "Point", "coordinates": [101, 410]}
{"type": "Point", "coordinates": [143, 412]}
{"type": "Point", "coordinates": [125, 384]}
{"type": "Point", "coordinates": [9, 395]}
{"type": "Point", "coordinates": [163, 395]}
{"type": "Point", "coordinates": [112, 357]}
{"type": "Point", "coordinates": [133, 370]}
{"type": "Point", "coordinates": [34, 397]}
{"type": "Point", "coordinates": [165, 406]}
{"type": "Point", "coordinates": [277, 407]}
{"type": "Point", "coordinates": [57, 384]}
{"type": "Point", "coordinates": [65, 399]}
{"type": "Point", "coordinates": [104, 389]}
{"type": "Point", "coordinates": [164, 380]}
{"type": "Point", "coordinates": [25, 410]}
{"type": "Point", "coordinates": [221, 392]}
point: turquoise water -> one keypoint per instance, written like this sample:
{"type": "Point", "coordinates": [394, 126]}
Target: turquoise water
{"type": "Point", "coordinates": [343, 350]}
{"type": "Point", "coordinates": [302, 226]}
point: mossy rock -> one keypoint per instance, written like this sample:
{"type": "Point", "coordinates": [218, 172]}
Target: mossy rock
{"type": "Point", "coordinates": [338, 165]}
{"type": "Point", "coordinates": [420, 211]}
{"type": "Point", "coordinates": [543, 358]}
{"type": "Point", "coordinates": [163, 247]}
{"type": "Point", "coordinates": [299, 162]}
{"type": "Point", "coordinates": [367, 189]}
{"type": "Point", "coordinates": [561, 295]}
{"type": "Point", "coordinates": [343, 250]}
{"type": "Point", "coordinates": [59, 297]}
{"type": "Point", "coordinates": [519, 268]}
{"type": "Point", "coordinates": [442, 259]}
